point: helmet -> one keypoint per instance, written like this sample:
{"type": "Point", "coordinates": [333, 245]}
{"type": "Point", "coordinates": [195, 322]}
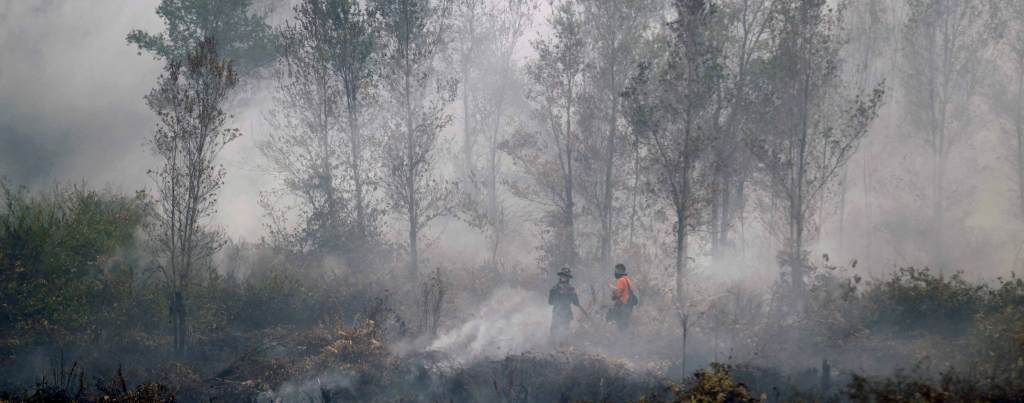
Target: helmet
{"type": "Point", "coordinates": [565, 272]}
{"type": "Point", "coordinates": [620, 269]}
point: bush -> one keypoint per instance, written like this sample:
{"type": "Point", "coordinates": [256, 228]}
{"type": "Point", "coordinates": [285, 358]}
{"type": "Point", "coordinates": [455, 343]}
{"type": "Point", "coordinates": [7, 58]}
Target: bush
{"type": "Point", "coordinates": [949, 388]}
{"type": "Point", "coordinates": [712, 385]}
{"type": "Point", "coordinates": [66, 265]}
{"type": "Point", "coordinates": [918, 300]}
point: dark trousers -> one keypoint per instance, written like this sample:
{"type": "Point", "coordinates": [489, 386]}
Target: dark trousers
{"type": "Point", "coordinates": [620, 314]}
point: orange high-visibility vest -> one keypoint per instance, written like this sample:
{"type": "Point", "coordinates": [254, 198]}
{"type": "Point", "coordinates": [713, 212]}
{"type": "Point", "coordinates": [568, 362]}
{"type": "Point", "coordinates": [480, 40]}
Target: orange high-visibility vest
{"type": "Point", "coordinates": [622, 289]}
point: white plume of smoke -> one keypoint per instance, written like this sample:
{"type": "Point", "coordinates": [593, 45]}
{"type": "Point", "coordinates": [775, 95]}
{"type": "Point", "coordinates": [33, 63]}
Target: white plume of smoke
{"type": "Point", "coordinates": [308, 390]}
{"type": "Point", "coordinates": [511, 321]}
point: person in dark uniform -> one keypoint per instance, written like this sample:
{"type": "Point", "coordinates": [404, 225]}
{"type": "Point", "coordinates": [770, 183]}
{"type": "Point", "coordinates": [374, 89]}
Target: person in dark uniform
{"type": "Point", "coordinates": [561, 298]}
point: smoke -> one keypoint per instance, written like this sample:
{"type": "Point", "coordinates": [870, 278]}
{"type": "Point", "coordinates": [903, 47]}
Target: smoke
{"type": "Point", "coordinates": [511, 321]}
{"type": "Point", "coordinates": [71, 109]}
{"type": "Point", "coordinates": [71, 92]}
{"type": "Point", "coordinates": [311, 390]}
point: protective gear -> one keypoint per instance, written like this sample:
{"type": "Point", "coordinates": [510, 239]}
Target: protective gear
{"type": "Point", "coordinates": [565, 272]}
{"type": "Point", "coordinates": [623, 298]}
{"type": "Point", "coordinates": [562, 297]}
{"type": "Point", "coordinates": [623, 290]}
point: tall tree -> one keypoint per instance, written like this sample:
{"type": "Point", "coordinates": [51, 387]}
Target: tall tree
{"type": "Point", "coordinates": [671, 109]}
{"type": "Point", "coordinates": [613, 30]}
{"type": "Point", "coordinates": [306, 148]}
{"type": "Point", "coordinates": [810, 123]}
{"type": "Point", "coordinates": [354, 63]}
{"type": "Point", "coordinates": [744, 32]}
{"type": "Point", "coordinates": [492, 109]}
{"type": "Point", "coordinates": [469, 42]}
{"type": "Point", "coordinates": [413, 36]}
{"type": "Point", "coordinates": [1008, 100]}
{"type": "Point", "coordinates": [869, 24]}
{"type": "Point", "coordinates": [943, 40]}
{"type": "Point", "coordinates": [547, 155]}
{"type": "Point", "coordinates": [238, 26]}
{"type": "Point", "coordinates": [191, 133]}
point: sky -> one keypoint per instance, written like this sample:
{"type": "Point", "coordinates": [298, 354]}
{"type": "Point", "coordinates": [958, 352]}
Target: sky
{"type": "Point", "coordinates": [72, 109]}
{"type": "Point", "coordinates": [71, 92]}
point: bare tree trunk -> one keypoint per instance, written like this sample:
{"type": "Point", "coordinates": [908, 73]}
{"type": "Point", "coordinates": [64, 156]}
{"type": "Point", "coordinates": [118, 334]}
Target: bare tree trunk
{"type": "Point", "coordinates": [570, 220]}
{"type": "Point", "coordinates": [606, 215]}
{"type": "Point", "coordinates": [410, 180]}
{"type": "Point", "coordinates": [681, 261]}
{"type": "Point", "coordinates": [938, 207]}
{"type": "Point", "coordinates": [494, 217]}
{"type": "Point", "coordinates": [356, 148]}
{"type": "Point", "coordinates": [467, 133]}
{"type": "Point", "coordinates": [797, 200]}
{"type": "Point", "coordinates": [721, 210]}
{"type": "Point", "coordinates": [716, 213]}
{"type": "Point", "coordinates": [181, 324]}
{"type": "Point", "coordinates": [681, 195]}
{"type": "Point", "coordinates": [726, 216]}
{"type": "Point", "coordinates": [1019, 131]}
{"type": "Point", "coordinates": [326, 171]}
{"type": "Point", "coordinates": [939, 188]}
{"type": "Point", "coordinates": [413, 236]}
{"type": "Point", "coordinates": [468, 136]}
{"type": "Point", "coordinates": [635, 191]}
{"type": "Point", "coordinates": [843, 186]}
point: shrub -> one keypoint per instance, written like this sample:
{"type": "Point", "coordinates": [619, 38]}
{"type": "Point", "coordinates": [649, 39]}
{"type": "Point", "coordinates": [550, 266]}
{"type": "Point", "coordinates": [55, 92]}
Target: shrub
{"type": "Point", "coordinates": [65, 260]}
{"type": "Point", "coordinates": [918, 300]}
{"type": "Point", "coordinates": [712, 385]}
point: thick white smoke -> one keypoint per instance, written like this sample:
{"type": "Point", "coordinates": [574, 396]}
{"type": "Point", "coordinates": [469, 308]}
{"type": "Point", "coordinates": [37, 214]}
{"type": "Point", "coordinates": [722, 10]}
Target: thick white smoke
{"type": "Point", "coordinates": [511, 321]}
{"type": "Point", "coordinates": [308, 390]}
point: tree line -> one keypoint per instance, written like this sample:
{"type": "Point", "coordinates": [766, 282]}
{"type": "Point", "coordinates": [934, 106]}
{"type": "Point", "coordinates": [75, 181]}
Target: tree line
{"type": "Point", "coordinates": [624, 125]}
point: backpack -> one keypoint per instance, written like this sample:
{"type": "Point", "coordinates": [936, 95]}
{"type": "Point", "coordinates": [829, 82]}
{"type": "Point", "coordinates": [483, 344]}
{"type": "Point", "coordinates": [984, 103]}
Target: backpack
{"type": "Point", "coordinates": [633, 298]}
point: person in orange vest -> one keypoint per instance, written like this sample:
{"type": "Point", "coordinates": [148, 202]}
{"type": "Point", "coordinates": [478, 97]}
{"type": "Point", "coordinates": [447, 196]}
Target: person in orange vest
{"type": "Point", "coordinates": [623, 298]}
{"type": "Point", "coordinates": [561, 298]}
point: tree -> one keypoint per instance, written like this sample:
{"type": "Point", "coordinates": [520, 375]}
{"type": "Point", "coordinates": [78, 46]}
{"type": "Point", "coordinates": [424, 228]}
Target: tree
{"type": "Point", "coordinates": [58, 252]}
{"type": "Point", "coordinates": [547, 154]}
{"type": "Point", "coordinates": [318, 147]}
{"type": "Point", "coordinates": [670, 108]}
{"type": "Point", "coordinates": [943, 40]}
{"type": "Point", "coordinates": [240, 29]}
{"type": "Point", "coordinates": [469, 39]}
{"type": "Point", "coordinates": [354, 63]}
{"type": "Point", "coordinates": [304, 148]}
{"type": "Point", "coordinates": [490, 108]}
{"type": "Point", "coordinates": [1008, 100]}
{"type": "Point", "coordinates": [870, 25]}
{"type": "Point", "coordinates": [190, 135]}
{"type": "Point", "coordinates": [613, 30]}
{"type": "Point", "coordinates": [744, 35]}
{"type": "Point", "coordinates": [413, 34]}
{"type": "Point", "coordinates": [809, 123]}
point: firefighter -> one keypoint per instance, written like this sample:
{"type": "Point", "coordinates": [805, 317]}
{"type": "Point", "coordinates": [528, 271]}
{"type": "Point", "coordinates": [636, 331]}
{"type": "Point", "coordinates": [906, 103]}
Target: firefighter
{"type": "Point", "coordinates": [623, 298]}
{"type": "Point", "coordinates": [562, 297]}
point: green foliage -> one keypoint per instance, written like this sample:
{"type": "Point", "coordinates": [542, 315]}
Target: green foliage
{"type": "Point", "coordinates": [998, 337]}
{"type": "Point", "coordinates": [240, 30]}
{"type": "Point", "coordinates": [835, 308]}
{"type": "Point", "coordinates": [716, 385]}
{"type": "Point", "coordinates": [712, 385]}
{"type": "Point", "coordinates": [998, 344]}
{"type": "Point", "coordinates": [985, 321]}
{"type": "Point", "coordinates": [274, 298]}
{"type": "Point", "coordinates": [917, 299]}
{"type": "Point", "coordinates": [62, 255]}
{"type": "Point", "coordinates": [949, 388]}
